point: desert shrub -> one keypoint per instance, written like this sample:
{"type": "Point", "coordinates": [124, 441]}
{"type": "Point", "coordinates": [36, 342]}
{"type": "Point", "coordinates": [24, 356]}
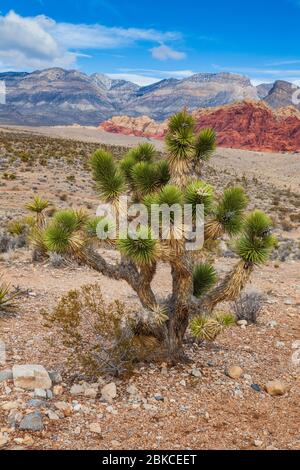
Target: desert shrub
{"type": "Point", "coordinates": [7, 296]}
{"type": "Point", "coordinates": [98, 335]}
{"type": "Point", "coordinates": [248, 306]}
{"type": "Point", "coordinates": [209, 327]}
{"type": "Point", "coordinates": [9, 242]}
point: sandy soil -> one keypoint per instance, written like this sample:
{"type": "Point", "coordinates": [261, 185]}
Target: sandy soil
{"type": "Point", "coordinates": [278, 168]}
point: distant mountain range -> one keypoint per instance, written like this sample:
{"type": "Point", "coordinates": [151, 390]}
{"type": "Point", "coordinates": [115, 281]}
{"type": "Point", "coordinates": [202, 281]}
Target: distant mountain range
{"type": "Point", "coordinates": [61, 97]}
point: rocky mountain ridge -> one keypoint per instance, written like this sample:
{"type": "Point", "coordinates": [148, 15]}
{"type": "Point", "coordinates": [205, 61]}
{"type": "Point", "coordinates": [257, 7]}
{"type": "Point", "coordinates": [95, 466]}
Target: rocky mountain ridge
{"type": "Point", "coordinates": [65, 97]}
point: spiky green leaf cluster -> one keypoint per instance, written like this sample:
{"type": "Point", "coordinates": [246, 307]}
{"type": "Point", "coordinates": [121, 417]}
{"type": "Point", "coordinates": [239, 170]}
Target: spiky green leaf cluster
{"type": "Point", "coordinates": [229, 211]}
{"type": "Point", "coordinates": [205, 144]}
{"type": "Point", "coordinates": [170, 195]}
{"type": "Point", "coordinates": [209, 327]}
{"type": "Point", "coordinates": [99, 227]}
{"type": "Point", "coordinates": [141, 172]}
{"type": "Point", "coordinates": [62, 233]}
{"type": "Point", "coordinates": [141, 249]}
{"type": "Point", "coordinates": [144, 152]}
{"type": "Point", "coordinates": [257, 240]}
{"type": "Point", "coordinates": [109, 179]}
{"type": "Point", "coordinates": [198, 193]}
{"type": "Point", "coordinates": [37, 205]}
{"type": "Point", "coordinates": [204, 278]}
{"type": "Point", "coordinates": [205, 328]}
{"type": "Point", "coordinates": [180, 137]}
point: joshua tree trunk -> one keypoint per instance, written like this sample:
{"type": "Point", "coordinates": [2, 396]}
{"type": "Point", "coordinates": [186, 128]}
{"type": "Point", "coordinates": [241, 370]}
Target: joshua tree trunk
{"type": "Point", "coordinates": [180, 309]}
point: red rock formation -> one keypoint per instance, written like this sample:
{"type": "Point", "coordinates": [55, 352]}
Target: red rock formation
{"type": "Point", "coordinates": [245, 125]}
{"type": "Point", "coordinates": [253, 126]}
{"type": "Point", "coordinates": [141, 127]}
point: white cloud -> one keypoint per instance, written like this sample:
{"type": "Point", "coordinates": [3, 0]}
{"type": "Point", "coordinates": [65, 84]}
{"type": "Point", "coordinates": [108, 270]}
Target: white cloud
{"type": "Point", "coordinates": [38, 42]}
{"type": "Point", "coordinates": [144, 77]}
{"type": "Point", "coordinates": [140, 80]}
{"type": "Point", "coordinates": [164, 52]}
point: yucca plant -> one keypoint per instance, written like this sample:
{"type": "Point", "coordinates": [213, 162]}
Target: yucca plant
{"type": "Point", "coordinates": [173, 181]}
{"type": "Point", "coordinates": [38, 206]}
{"type": "Point", "coordinates": [7, 297]}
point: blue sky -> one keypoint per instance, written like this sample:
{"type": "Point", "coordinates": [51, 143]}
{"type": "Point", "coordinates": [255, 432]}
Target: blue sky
{"type": "Point", "coordinates": [149, 40]}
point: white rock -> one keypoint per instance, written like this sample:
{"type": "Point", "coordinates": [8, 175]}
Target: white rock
{"type": "Point", "coordinates": [196, 372]}
{"type": "Point", "coordinates": [258, 443]}
{"type": "Point", "coordinates": [95, 428]}
{"type": "Point", "coordinates": [90, 392]}
{"type": "Point", "coordinates": [40, 393]}
{"type": "Point", "coordinates": [3, 440]}
{"type": "Point", "coordinates": [52, 415]}
{"type": "Point", "coordinates": [2, 353]}
{"type": "Point", "coordinates": [31, 377]}
{"type": "Point", "coordinates": [109, 392]}
{"type": "Point", "coordinates": [77, 389]}
{"type": "Point", "coordinates": [242, 323]}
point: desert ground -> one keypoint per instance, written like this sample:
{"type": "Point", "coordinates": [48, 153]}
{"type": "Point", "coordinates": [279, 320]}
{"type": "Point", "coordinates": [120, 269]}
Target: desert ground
{"type": "Point", "coordinates": [190, 406]}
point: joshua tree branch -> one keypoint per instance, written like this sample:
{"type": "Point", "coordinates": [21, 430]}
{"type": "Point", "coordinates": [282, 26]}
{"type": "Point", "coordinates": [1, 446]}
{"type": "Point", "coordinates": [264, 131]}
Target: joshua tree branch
{"type": "Point", "coordinates": [227, 290]}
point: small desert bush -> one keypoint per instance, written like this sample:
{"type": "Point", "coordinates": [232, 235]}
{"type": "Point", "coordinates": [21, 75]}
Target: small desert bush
{"type": "Point", "coordinates": [7, 296]}
{"type": "Point", "coordinates": [209, 327]}
{"type": "Point", "coordinates": [248, 306]}
{"type": "Point", "coordinates": [98, 335]}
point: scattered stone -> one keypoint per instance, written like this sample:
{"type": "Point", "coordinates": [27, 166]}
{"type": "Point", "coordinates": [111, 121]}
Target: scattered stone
{"type": "Point", "coordinates": [14, 417]}
{"type": "Point", "coordinates": [55, 377]}
{"type": "Point", "coordinates": [3, 440]}
{"type": "Point", "coordinates": [6, 375]}
{"type": "Point", "coordinates": [183, 383]}
{"type": "Point", "coordinates": [272, 324]}
{"type": "Point", "coordinates": [109, 392]}
{"type": "Point", "coordinates": [275, 388]}
{"type": "Point", "coordinates": [242, 323]}
{"type": "Point", "coordinates": [10, 405]}
{"type": "Point", "coordinates": [258, 443]}
{"type": "Point", "coordinates": [256, 387]}
{"type": "Point", "coordinates": [149, 407]}
{"type": "Point", "coordinates": [65, 407]}
{"type": "Point", "coordinates": [40, 393]}
{"type": "Point", "coordinates": [52, 415]}
{"type": "Point", "coordinates": [196, 372]}
{"type": "Point", "coordinates": [95, 428]}
{"type": "Point", "coordinates": [57, 390]}
{"type": "Point", "coordinates": [234, 372]}
{"type": "Point", "coordinates": [159, 398]}
{"type": "Point", "coordinates": [2, 353]}
{"type": "Point", "coordinates": [31, 377]}
{"type": "Point", "coordinates": [112, 410]}
{"type": "Point", "coordinates": [115, 443]}
{"type": "Point", "coordinates": [32, 422]}
{"type": "Point", "coordinates": [49, 394]}
{"type": "Point", "coordinates": [90, 392]}
{"type": "Point", "coordinates": [77, 389]}
{"type": "Point", "coordinates": [132, 390]}
{"type": "Point", "coordinates": [35, 403]}
{"type": "Point", "coordinates": [238, 393]}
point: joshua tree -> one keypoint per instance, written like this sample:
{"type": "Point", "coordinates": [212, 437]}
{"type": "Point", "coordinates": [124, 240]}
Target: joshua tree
{"type": "Point", "coordinates": [38, 206]}
{"type": "Point", "coordinates": [196, 290]}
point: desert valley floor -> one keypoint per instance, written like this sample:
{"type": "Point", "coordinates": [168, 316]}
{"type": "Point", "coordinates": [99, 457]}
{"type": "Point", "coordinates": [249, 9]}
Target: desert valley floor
{"type": "Point", "coordinates": [194, 406]}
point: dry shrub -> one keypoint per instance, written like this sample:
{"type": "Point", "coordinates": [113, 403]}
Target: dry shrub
{"type": "Point", "coordinates": [98, 335]}
{"type": "Point", "coordinates": [248, 306]}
